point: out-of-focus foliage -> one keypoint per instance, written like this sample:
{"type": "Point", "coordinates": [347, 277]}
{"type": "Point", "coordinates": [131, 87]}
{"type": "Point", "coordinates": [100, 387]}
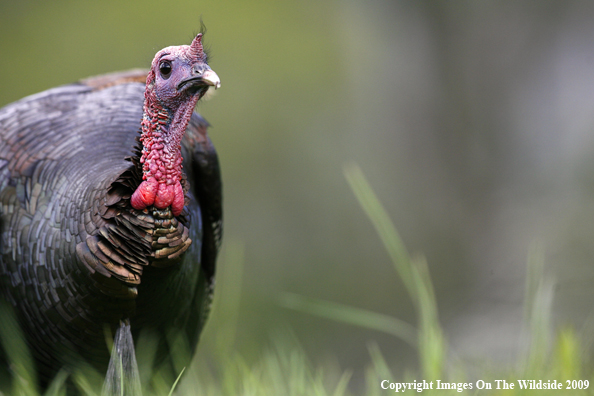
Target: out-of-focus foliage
{"type": "Point", "coordinates": [285, 369]}
{"type": "Point", "coordinates": [473, 120]}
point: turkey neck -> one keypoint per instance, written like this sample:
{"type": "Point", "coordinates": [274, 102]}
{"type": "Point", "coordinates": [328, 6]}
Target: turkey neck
{"type": "Point", "coordinates": [162, 131]}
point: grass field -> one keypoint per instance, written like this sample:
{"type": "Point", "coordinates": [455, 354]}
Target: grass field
{"type": "Point", "coordinates": [284, 369]}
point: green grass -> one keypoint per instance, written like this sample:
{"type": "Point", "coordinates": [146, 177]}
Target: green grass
{"type": "Point", "coordinates": [283, 368]}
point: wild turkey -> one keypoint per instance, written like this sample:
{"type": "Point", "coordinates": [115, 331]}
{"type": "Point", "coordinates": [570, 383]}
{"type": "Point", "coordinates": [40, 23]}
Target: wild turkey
{"type": "Point", "coordinates": [100, 224]}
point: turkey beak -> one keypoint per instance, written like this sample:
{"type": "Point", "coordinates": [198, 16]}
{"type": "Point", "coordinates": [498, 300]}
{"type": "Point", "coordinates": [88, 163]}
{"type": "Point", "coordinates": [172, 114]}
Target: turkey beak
{"type": "Point", "coordinates": [211, 78]}
{"type": "Point", "coordinates": [200, 77]}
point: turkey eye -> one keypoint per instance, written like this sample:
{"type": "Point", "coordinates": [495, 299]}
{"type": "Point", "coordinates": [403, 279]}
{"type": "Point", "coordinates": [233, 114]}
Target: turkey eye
{"type": "Point", "coordinates": [165, 69]}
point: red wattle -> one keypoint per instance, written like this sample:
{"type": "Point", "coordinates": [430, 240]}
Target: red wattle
{"type": "Point", "coordinates": [178, 200]}
{"type": "Point", "coordinates": [145, 194]}
{"type": "Point", "coordinates": [164, 196]}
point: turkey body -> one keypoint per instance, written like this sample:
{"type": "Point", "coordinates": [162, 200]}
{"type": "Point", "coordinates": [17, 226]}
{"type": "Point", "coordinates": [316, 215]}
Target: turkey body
{"type": "Point", "coordinates": [75, 257]}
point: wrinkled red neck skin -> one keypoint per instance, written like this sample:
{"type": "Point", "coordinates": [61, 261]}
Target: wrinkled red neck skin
{"type": "Point", "coordinates": [162, 131]}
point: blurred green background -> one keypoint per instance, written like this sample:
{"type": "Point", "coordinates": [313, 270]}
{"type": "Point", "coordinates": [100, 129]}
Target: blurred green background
{"type": "Point", "coordinates": [473, 121]}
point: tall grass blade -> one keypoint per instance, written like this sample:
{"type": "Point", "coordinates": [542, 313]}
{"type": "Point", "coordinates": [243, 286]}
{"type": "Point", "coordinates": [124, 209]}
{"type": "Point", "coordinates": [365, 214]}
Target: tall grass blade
{"type": "Point", "coordinates": [380, 366]}
{"type": "Point", "coordinates": [414, 274]}
{"type": "Point", "coordinates": [18, 355]}
{"type": "Point", "coordinates": [538, 309]}
{"type": "Point", "coordinates": [122, 374]}
{"type": "Point", "coordinates": [343, 383]}
{"type": "Point", "coordinates": [534, 277]}
{"type": "Point", "coordinates": [146, 350]}
{"type": "Point", "coordinates": [351, 315]}
{"type": "Point", "coordinates": [432, 345]}
{"type": "Point", "coordinates": [568, 354]}
{"type": "Point", "coordinates": [84, 385]}
{"type": "Point", "coordinates": [382, 223]}
{"type": "Point", "coordinates": [57, 387]}
{"type": "Point", "coordinates": [176, 381]}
